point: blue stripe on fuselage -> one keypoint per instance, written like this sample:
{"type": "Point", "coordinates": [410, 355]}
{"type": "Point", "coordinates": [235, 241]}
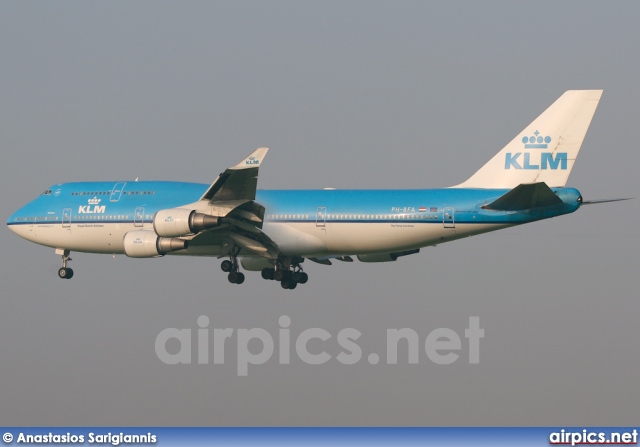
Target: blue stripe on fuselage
{"type": "Point", "coordinates": [90, 201]}
{"type": "Point", "coordinates": [376, 206]}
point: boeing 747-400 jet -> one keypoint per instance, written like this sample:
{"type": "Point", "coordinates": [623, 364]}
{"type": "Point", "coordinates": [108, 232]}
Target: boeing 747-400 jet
{"type": "Point", "coordinates": [275, 231]}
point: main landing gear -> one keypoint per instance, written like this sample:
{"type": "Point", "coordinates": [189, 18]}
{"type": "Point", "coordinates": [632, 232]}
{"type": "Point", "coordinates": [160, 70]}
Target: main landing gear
{"type": "Point", "coordinates": [288, 272]}
{"type": "Point", "coordinates": [231, 266]}
{"type": "Point", "coordinates": [65, 272]}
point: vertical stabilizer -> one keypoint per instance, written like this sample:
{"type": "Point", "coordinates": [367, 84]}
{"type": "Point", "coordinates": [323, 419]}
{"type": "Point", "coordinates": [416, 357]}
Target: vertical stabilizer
{"type": "Point", "coordinates": [545, 150]}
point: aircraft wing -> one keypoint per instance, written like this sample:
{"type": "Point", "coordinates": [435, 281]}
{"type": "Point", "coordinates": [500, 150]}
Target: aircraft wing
{"type": "Point", "coordinates": [525, 196]}
{"type": "Point", "coordinates": [239, 182]}
{"type": "Point", "coordinates": [232, 197]}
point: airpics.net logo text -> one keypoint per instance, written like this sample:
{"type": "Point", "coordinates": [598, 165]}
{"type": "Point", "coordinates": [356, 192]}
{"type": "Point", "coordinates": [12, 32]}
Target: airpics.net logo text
{"type": "Point", "coordinates": [257, 346]}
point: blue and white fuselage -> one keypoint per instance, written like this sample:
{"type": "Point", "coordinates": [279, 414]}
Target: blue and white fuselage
{"type": "Point", "coordinates": [89, 217]}
{"type": "Point", "coordinates": [274, 231]}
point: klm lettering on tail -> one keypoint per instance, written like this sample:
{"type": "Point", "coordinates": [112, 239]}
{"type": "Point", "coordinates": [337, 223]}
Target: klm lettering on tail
{"type": "Point", "coordinates": [529, 160]}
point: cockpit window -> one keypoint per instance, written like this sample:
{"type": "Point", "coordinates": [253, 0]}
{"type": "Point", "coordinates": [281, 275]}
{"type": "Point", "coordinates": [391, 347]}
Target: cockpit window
{"type": "Point", "coordinates": [47, 192]}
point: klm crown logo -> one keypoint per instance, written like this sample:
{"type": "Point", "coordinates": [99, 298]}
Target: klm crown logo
{"type": "Point", "coordinates": [94, 201]}
{"type": "Point", "coordinates": [536, 141]}
{"type": "Point", "coordinates": [536, 160]}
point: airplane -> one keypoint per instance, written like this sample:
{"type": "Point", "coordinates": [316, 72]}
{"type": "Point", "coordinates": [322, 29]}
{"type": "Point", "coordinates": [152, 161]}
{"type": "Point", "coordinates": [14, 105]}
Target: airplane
{"type": "Point", "coordinates": [274, 231]}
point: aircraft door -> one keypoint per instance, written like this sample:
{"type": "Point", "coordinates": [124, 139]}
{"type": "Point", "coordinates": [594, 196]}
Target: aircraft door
{"type": "Point", "coordinates": [138, 216]}
{"type": "Point", "coordinates": [321, 216]}
{"type": "Point", "coordinates": [116, 192]}
{"type": "Point", "coordinates": [66, 218]}
{"type": "Point", "coordinates": [448, 217]}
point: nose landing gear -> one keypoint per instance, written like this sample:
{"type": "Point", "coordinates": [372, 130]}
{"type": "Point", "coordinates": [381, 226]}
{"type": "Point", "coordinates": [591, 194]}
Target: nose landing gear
{"type": "Point", "coordinates": [64, 272]}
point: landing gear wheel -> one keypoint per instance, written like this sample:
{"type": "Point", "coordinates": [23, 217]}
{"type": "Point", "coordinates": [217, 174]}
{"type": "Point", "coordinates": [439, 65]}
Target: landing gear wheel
{"type": "Point", "coordinates": [268, 273]}
{"type": "Point", "coordinates": [279, 275]}
{"type": "Point", "coordinates": [284, 284]}
{"type": "Point", "coordinates": [236, 277]}
{"type": "Point", "coordinates": [292, 285]}
{"type": "Point", "coordinates": [226, 266]}
{"type": "Point", "coordinates": [65, 273]}
{"type": "Point", "coordinates": [299, 277]}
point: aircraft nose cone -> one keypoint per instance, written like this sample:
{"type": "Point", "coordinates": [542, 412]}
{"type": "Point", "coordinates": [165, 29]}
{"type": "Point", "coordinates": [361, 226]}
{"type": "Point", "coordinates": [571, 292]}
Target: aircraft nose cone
{"type": "Point", "coordinates": [14, 223]}
{"type": "Point", "coordinates": [11, 219]}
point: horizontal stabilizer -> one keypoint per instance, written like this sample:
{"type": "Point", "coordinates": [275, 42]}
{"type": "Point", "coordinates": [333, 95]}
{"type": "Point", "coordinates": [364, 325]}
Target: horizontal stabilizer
{"type": "Point", "coordinates": [524, 197]}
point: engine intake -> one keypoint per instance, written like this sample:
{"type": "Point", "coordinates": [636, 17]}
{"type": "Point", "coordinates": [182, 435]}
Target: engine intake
{"type": "Point", "coordinates": [178, 222]}
{"type": "Point", "coordinates": [145, 244]}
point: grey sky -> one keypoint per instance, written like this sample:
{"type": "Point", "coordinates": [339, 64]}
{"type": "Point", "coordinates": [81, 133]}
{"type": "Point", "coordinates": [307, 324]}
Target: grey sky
{"type": "Point", "coordinates": [348, 95]}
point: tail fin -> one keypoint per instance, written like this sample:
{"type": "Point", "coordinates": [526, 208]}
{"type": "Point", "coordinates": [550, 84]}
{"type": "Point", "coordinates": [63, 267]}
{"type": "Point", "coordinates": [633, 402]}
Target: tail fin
{"type": "Point", "coordinates": [546, 149]}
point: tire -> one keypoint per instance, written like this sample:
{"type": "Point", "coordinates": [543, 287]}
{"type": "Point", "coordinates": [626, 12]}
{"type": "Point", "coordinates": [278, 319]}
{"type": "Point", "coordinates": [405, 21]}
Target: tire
{"type": "Point", "coordinates": [267, 273]}
{"type": "Point", "coordinates": [226, 266]}
{"type": "Point", "coordinates": [279, 275]}
{"type": "Point", "coordinates": [295, 276]}
{"type": "Point", "coordinates": [293, 285]}
{"type": "Point", "coordinates": [303, 278]}
{"type": "Point", "coordinates": [69, 273]}
{"type": "Point", "coordinates": [240, 278]}
{"type": "Point", "coordinates": [285, 284]}
{"type": "Point", "coordinates": [63, 273]}
{"type": "Point", "coordinates": [233, 277]}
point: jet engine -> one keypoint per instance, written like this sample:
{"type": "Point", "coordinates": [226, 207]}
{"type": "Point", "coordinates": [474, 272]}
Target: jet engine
{"type": "Point", "coordinates": [146, 244]}
{"type": "Point", "coordinates": [177, 222]}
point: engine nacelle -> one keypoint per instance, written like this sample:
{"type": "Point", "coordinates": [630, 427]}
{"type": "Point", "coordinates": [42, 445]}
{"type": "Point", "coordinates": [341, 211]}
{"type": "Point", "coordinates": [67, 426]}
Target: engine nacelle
{"type": "Point", "coordinates": [178, 222]}
{"type": "Point", "coordinates": [146, 244]}
{"type": "Point", "coordinates": [386, 257]}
